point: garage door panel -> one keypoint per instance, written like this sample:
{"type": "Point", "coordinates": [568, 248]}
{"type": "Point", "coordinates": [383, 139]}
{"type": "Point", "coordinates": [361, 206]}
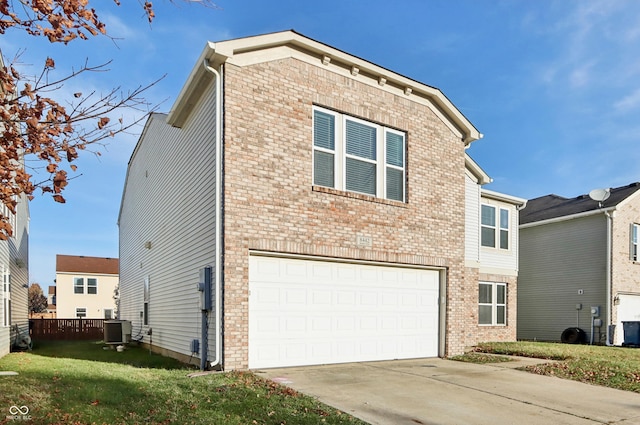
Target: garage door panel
{"type": "Point", "coordinates": [309, 312]}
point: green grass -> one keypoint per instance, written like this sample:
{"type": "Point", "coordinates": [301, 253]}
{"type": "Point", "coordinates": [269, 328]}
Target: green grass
{"type": "Point", "coordinates": [80, 383]}
{"type": "Point", "coordinates": [613, 367]}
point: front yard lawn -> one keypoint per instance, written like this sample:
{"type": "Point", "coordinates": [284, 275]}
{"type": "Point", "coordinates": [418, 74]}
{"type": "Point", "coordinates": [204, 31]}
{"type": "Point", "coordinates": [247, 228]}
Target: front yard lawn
{"type": "Point", "coordinates": [80, 383]}
{"type": "Point", "coordinates": [614, 367]}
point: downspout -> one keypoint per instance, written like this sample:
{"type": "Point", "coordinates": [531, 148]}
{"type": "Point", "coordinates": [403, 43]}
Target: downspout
{"type": "Point", "coordinates": [609, 215]}
{"type": "Point", "coordinates": [217, 361]}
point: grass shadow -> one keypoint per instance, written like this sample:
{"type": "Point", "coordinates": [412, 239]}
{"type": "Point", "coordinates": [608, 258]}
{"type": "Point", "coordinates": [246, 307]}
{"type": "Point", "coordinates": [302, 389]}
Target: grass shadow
{"type": "Point", "coordinates": [133, 355]}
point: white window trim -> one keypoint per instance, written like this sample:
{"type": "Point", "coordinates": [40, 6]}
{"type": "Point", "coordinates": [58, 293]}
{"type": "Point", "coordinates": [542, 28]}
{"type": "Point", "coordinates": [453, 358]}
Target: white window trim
{"type": "Point", "coordinates": [96, 286]}
{"type": "Point", "coordinates": [85, 312]}
{"type": "Point", "coordinates": [340, 154]}
{"type": "Point", "coordinates": [634, 244]}
{"type": "Point", "coordinates": [497, 229]}
{"type": "Point", "coordinates": [83, 286]}
{"type": "Point", "coordinates": [494, 304]}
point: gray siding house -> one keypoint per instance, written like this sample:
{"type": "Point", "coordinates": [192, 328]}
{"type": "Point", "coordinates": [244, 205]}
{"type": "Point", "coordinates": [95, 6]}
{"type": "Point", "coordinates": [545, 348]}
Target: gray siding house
{"type": "Point", "coordinates": [575, 254]}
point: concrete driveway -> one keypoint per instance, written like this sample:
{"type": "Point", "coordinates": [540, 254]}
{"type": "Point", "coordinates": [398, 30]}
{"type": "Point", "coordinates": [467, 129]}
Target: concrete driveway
{"type": "Point", "coordinates": [443, 392]}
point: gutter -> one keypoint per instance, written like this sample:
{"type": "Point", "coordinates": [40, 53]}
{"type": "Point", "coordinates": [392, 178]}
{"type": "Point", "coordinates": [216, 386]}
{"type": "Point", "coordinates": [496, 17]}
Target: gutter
{"type": "Point", "coordinates": [609, 214]}
{"type": "Point", "coordinates": [217, 361]}
{"type": "Point", "coordinates": [567, 217]}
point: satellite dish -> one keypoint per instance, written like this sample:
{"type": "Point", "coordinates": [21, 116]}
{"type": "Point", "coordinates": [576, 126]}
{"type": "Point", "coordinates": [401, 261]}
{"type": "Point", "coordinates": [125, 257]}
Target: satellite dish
{"type": "Point", "coordinates": [600, 195]}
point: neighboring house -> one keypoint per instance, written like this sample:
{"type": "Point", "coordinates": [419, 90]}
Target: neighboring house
{"type": "Point", "coordinates": [85, 287]}
{"type": "Point", "coordinates": [14, 275]}
{"type": "Point", "coordinates": [577, 253]}
{"type": "Point", "coordinates": [328, 196]}
{"type": "Point", "coordinates": [491, 255]}
{"type": "Point", "coordinates": [51, 301]}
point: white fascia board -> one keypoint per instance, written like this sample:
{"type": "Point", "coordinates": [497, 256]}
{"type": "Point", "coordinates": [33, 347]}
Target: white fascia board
{"type": "Point", "coordinates": [220, 52]}
{"type": "Point", "coordinates": [568, 217]}
{"type": "Point", "coordinates": [490, 194]}
{"type": "Point", "coordinates": [477, 171]}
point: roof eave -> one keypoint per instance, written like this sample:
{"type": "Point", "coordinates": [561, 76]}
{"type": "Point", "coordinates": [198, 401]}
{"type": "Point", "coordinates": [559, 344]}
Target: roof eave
{"type": "Point", "coordinates": [218, 53]}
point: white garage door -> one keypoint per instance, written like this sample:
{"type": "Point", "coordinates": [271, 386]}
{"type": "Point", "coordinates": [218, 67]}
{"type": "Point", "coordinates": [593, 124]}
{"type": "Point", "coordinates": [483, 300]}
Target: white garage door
{"type": "Point", "coordinates": [304, 312]}
{"type": "Point", "coordinates": [628, 311]}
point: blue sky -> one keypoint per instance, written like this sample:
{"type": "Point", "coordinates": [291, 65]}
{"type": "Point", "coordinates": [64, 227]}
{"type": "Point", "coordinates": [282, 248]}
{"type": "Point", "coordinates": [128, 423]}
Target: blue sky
{"type": "Point", "coordinates": [554, 86]}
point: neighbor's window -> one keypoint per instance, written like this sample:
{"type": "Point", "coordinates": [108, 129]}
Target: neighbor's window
{"type": "Point", "coordinates": [492, 303]}
{"type": "Point", "coordinates": [78, 285]}
{"type": "Point", "coordinates": [92, 286]}
{"type": "Point", "coordinates": [81, 312]}
{"type": "Point", "coordinates": [108, 314]}
{"type": "Point", "coordinates": [494, 231]}
{"type": "Point", "coordinates": [358, 156]}
{"type": "Point", "coordinates": [635, 232]}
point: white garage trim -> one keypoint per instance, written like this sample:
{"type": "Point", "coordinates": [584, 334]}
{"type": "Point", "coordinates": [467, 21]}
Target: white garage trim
{"type": "Point", "coordinates": [309, 310]}
{"type": "Point", "coordinates": [628, 310]}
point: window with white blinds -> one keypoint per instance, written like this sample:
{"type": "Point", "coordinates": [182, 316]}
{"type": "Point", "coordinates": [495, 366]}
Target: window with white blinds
{"type": "Point", "coordinates": [358, 156]}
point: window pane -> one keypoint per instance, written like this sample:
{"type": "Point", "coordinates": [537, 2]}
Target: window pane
{"type": "Point", "coordinates": [488, 215]}
{"type": "Point", "coordinates": [504, 239]}
{"type": "Point", "coordinates": [488, 237]}
{"type": "Point", "coordinates": [395, 149]}
{"type": "Point", "coordinates": [323, 169]}
{"type": "Point", "coordinates": [78, 285]}
{"type": "Point", "coordinates": [361, 176]}
{"type": "Point", "coordinates": [484, 315]}
{"type": "Point", "coordinates": [92, 286]}
{"type": "Point", "coordinates": [501, 294]}
{"type": "Point", "coordinates": [501, 316]}
{"type": "Point", "coordinates": [324, 130]}
{"type": "Point", "coordinates": [484, 294]}
{"type": "Point", "coordinates": [504, 219]}
{"type": "Point", "coordinates": [395, 184]}
{"type": "Point", "coordinates": [361, 140]}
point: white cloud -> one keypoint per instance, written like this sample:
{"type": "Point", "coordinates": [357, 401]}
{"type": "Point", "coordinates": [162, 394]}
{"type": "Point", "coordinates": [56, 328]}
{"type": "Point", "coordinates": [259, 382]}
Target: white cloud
{"type": "Point", "coordinates": [629, 102]}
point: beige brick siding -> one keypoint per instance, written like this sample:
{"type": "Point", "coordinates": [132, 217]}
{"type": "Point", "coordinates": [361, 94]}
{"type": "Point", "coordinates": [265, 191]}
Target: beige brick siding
{"type": "Point", "coordinates": [271, 204]}
{"type": "Point", "coordinates": [625, 274]}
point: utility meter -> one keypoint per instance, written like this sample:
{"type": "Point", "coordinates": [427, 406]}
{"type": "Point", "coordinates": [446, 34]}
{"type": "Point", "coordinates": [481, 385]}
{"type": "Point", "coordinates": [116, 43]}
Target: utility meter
{"type": "Point", "coordinates": [595, 311]}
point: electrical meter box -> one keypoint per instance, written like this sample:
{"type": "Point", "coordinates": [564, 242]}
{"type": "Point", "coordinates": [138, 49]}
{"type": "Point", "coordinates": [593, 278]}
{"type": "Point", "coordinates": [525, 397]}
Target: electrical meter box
{"type": "Point", "coordinates": [595, 311]}
{"type": "Point", "coordinates": [204, 286]}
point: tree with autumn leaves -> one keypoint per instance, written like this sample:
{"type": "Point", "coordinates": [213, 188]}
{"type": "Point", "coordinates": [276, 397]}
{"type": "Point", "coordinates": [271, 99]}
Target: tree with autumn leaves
{"type": "Point", "coordinates": [34, 124]}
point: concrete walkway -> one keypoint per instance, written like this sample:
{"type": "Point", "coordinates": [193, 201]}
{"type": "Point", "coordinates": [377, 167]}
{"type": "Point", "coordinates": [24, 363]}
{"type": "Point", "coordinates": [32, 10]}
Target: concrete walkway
{"type": "Point", "coordinates": [445, 392]}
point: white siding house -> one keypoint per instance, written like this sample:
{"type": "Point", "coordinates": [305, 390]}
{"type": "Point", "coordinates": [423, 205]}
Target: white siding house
{"type": "Point", "coordinates": [14, 279]}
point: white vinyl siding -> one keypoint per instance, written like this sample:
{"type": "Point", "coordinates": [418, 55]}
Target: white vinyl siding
{"type": "Point", "coordinates": [160, 186]}
{"type": "Point", "coordinates": [472, 223]}
{"type": "Point", "coordinates": [358, 156]}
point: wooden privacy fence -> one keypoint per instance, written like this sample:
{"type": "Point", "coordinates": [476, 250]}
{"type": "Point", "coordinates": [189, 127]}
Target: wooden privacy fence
{"type": "Point", "coordinates": [66, 329]}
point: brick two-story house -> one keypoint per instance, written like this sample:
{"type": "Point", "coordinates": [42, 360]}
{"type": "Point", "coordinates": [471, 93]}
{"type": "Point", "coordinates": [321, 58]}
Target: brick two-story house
{"type": "Point", "coordinates": [326, 193]}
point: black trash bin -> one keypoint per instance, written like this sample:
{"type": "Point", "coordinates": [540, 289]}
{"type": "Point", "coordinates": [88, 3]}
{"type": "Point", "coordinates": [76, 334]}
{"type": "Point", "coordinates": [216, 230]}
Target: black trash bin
{"type": "Point", "coordinates": [631, 334]}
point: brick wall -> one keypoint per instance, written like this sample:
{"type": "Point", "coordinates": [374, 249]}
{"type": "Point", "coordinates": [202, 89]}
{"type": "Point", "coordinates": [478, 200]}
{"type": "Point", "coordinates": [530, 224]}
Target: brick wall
{"type": "Point", "coordinates": [625, 273]}
{"type": "Point", "coordinates": [270, 203]}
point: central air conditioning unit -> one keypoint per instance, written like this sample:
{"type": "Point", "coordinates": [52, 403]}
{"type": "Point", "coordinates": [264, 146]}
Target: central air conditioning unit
{"type": "Point", "coordinates": [117, 331]}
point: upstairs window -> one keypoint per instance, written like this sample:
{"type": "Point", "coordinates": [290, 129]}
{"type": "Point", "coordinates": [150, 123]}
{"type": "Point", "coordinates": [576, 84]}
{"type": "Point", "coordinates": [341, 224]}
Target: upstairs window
{"type": "Point", "coordinates": [92, 286]}
{"type": "Point", "coordinates": [635, 232]}
{"type": "Point", "coordinates": [494, 227]}
{"type": "Point", "coordinates": [78, 285]}
{"type": "Point", "coordinates": [358, 156]}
